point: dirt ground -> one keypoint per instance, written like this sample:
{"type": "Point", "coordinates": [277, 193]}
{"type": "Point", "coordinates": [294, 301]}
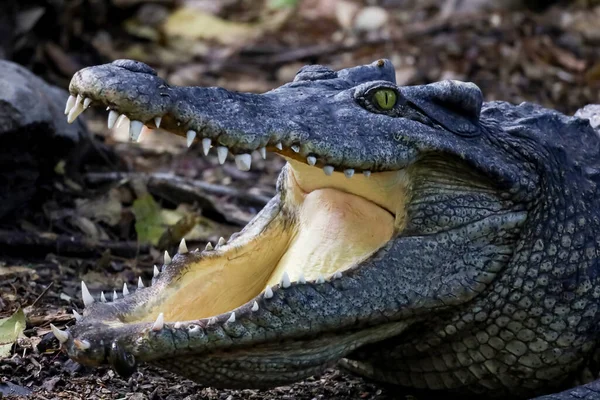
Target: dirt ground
{"type": "Point", "coordinates": [109, 221]}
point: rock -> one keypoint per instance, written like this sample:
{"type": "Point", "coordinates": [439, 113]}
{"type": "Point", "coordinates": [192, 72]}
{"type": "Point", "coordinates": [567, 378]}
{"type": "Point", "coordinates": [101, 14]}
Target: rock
{"type": "Point", "coordinates": [34, 134]}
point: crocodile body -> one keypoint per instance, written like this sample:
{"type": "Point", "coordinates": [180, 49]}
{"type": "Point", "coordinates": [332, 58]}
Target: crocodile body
{"type": "Point", "coordinates": [419, 237]}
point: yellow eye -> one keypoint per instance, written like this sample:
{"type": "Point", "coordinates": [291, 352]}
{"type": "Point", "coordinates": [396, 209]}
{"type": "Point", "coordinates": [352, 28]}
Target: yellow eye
{"type": "Point", "coordinates": [385, 98]}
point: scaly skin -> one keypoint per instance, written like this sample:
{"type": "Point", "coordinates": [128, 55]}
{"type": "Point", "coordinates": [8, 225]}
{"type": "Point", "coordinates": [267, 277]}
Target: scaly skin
{"type": "Point", "coordinates": [489, 285]}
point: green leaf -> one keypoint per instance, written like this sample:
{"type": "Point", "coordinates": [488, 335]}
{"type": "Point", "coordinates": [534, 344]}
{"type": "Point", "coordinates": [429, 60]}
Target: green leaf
{"type": "Point", "coordinates": [149, 224]}
{"type": "Point", "coordinates": [11, 329]}
{"type": "Point", "coordinates": [277, 4]}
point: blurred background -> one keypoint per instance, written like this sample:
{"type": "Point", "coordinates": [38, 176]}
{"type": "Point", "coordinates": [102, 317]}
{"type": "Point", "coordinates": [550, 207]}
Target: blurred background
{"type": "Point", "coordinates": [81, 202]}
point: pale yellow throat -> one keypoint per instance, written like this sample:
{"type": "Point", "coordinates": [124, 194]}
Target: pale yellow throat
{"type": "Point", "coordinates": [328, 224]}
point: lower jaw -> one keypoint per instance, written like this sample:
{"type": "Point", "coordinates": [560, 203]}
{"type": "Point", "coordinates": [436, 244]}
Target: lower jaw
{"type": "Point", "coordinates": [307, 236]}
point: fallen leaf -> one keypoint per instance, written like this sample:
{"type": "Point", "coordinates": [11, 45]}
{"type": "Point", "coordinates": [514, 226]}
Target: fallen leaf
{"type": "Point", "coordinates": [11, 329]}
{"type": "Point", "coordinates": [148, 219]}
{"type": "Point", "coordinates": [195, 24]}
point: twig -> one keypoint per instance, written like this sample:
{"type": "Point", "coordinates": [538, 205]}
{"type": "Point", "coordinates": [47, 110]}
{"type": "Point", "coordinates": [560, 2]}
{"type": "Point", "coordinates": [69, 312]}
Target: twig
{"type": "Point", "coordinates": [41, 295]}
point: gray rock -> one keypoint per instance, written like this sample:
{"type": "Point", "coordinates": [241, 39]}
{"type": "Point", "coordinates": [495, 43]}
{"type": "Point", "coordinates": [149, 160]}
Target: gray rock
{"type": "Point", "coordinates": [34, 134]}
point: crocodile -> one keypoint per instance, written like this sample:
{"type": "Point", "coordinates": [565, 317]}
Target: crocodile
{"type": "Point", "coordinates": [418, 237]}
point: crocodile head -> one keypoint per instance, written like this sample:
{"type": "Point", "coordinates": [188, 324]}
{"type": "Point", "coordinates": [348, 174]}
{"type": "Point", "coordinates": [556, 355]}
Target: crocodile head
{"type": "Point", "coordinates": [401, 224]}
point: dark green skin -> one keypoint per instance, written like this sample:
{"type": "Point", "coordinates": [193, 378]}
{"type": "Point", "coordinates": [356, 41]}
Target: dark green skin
{"type": "Point", "coordinates": [492, 288]}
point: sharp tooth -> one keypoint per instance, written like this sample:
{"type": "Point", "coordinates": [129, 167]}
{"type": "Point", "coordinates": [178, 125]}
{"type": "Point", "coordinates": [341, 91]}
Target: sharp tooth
{"type": "Point", "coordinates": [190, 135]}
{"type": "Point", "coordinates": [337, 275]}
{"type": "Point", "coordinates": [86, 102]}
{"type": "Point", "coordinates": [167, 260]}
{"type": "Point", "coordinates": [221, 241]}
{"type": "Point", "coordinates": [296, 148]}
{"type": "Point", "coordinates": [263, 152]}
{"type": "Point", "coordinates": [285, 280]}
{"type": "Point", "coordinates": [367, 173]}
{"type": "Point", "coordinates": [75, 111]}
{"type": "Point", "coordinates": [156, 272]}
{"type": "Point", "coordinates": [135, 130]}
{"type": "Point", "coordinates": [122, 118]}
{"type": "Point", "coordinates": [222, 154]}
{"type": "Point", "coordinates": [349, 172]}
{"type": "Point", "coordinates": [108, 108]}
{"type": "Point", "coordinates": [320, 279]}
{"type": "Point", "coordinates": [82, 344]}
{"type": "Point", "coordinates": [70, 104]}
{"type": "Point", "coordinates": [159, 323]}
{"type": "Point", "coordinates": [102, 297]}
{"type": "Point", "coordinates": [243, 161]}
{"type": "Point", "coordinates": [157, 121]}
{"type": "Point", "coordinates": [125, 289]}
{"type": "Point", "coordinates": [115, 295]}
{"type": "Point", "coordinates": [208, 247]}
{"type": "Point", "coordinates": [231, 317]}
{"type": "Point", "coordinates": [255, 307]}
{"type": "Point", "coordinates": [85, 294]}
{"type": "Point", "coordinates": [311, 160]}
{"type": "Point", "coordinates": [182, 247]}
{"type": "Point", "coordinates": [268, 292]}
{"type": "Point", "coordinates": [62, 336]}
{"type": "Point", "coordinates": [177, 325]}
{"type": "Point", "coordinates": [76, 315]}
{"type": "Point", "coordinates": [206, 142]}
{"type": "Point", "coordinates": [113, 116]}
{"type": "Point", "coordinates": [140, 283]}
{"type": "Point", "coordinates": [279, 146]}
{"type": "Point", "coordinates": [301, 278]}
{"type": "Point", "coordinates": [328, 169]}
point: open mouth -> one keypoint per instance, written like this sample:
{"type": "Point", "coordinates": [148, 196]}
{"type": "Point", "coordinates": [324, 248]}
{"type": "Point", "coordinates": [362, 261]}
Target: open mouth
{"type": "Point", "coordinates": [321, 224]}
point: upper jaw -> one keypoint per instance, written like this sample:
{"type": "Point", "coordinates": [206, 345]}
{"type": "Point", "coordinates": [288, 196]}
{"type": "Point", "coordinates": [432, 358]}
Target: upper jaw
{"type": "Point", "coordinates": [317, 124]}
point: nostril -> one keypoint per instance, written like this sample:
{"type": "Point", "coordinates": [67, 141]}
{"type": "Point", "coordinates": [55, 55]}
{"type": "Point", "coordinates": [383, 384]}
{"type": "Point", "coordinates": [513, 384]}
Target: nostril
{"type": "Point", "coordinates": [135, 66]}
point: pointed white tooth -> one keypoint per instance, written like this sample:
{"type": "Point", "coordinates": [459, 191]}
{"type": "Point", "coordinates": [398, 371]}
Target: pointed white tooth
{"type": "Point", "coordinates": [82, 344]}
{"type": "Point", "coordinates": [159, 323]}
{"type": "Point", "coordinates": [320, 279]}
{"type": "Point", "coordinates": [182, 247]}
{"type": "Point", "coordinates": [349, 172]}
{"type": "Point", "coordinates": [135, 130]}
{"type": "Point", "coordinates": [115, 295]}
{"type": "Point", "coordinates": [301, 278]}
{"type": "Point", "coordinates": [196, 250]}
{"type": "Point", "coordinates": [222, 154]}
{"type": "Point", "coordinates": [190, 136]}
{"type": "Point", "coordinates": [231, 317]}
{"type": "Point", "coordinates": [221, 241]}
{"type": "Point", "coordinates": [167, 260]}
{"type": "Point", "coordinates": [70, 104]}
{"type": "Point", "coordinates": [157, 121]}
{"type": "Point", "coordinates": [255, 307]}
{"type": "Point", "coordinates": [279, 146]}
{"type": "Point", "coordinates": [177, 325]}
{"type": "Point", "coordinates": [243, 161]}
{"type": "Point", "coordinates": [156, 272]}
{"type": "Point", "coordinates": [263, 152]}
{"type": "Point", "coordinates": [125, 289]}
{"type": "Point", "coordinates": [311, 160]}
{"type": "Point", "coordinates": [108, 108]}
{"type": "Point", "coordinates": [296, 148]}
{"type": "Point", "coordinates": [140, 283]}
{"type": "Point", "coordinates": [122, 118]}
{"type": "Point", "coordinates": [102, 297]}
{"type": "Point", "coordinates": [74, 113]}
{"type": "Point", "coordinates": [86, 102]}
{"type": "Point", "coordinates": [206, 142]}
{"type": "Point", "coordinates": [328, 169]}
{"type": "Point", "coordinates": [62, 336]}
{"type": "Point", "coordinates": [285, 280]}
{"type": "Point", "coordinates": [112, 118]}
{"type": "Point", "coordinates": [85, 294]}
{"type": "Point", "coordinates": [268, 292]}
{"type": "Point", "coordinates": [76, 315]}
{"type": "Point", "coordinates": [337, 275]}
{"type": "Point", "coordinates": [208, 247]}
{"type": "Point", "coordinates": [367, 173]}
